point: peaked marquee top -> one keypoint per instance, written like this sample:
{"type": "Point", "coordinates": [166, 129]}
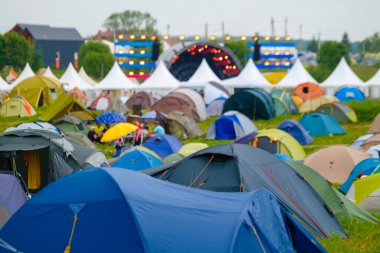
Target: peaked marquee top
{"type": "Point", "coordinates": [342, 75]}
{"type": "Point", "coordinates": [115, 80]}
{"type": "Point", "coordinates": [82, 73]}
{"type": "Point", "coordinates": [375, 80]}
{"type": "Point", "coordinates": [250, 76]}
{"type": "Point", "coordinates": [161, 78]}
{"type": "Point", "coordinates": [201, 76]}
{"type": "Point", "coordinates": [296, 75]}
{"type": "Point", "coordinates": [26, 73]}
{"type": "Point", "coordinates": [72, 78]}
{"type": "Point", "coordinates": [49, 73]}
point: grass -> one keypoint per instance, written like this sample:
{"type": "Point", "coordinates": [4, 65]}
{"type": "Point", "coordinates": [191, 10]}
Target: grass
{"type": "Point", "coordinates": [363, 236]}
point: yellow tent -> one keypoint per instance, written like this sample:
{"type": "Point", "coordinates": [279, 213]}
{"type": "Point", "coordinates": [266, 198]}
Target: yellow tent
{"type": "Point", "coordinates": [310, 105]}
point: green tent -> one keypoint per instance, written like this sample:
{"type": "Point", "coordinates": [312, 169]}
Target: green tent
{"type": "Point", "coordinates": [16, 106]}
{"type": "Point", "coordinates": [68, 123]}
{"type": "Point", "coordinates": [339, 204]}
{"type": "Point", "coordinates": [339, 111]}
{"type": "Point", "coordinates": [277, 141]}
{"type": "Point", "coordinates": [38, 90]}
{"type": "Point", "coordinates": [283, 102]}
{"type": "Point", "coordinates": [173, 158]}
{"type": "Point", "coordinates": [67, 104]}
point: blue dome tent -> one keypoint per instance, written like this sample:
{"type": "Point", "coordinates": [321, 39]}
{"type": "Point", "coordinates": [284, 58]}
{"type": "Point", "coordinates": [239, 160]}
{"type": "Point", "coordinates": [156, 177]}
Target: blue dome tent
{"type": "Point", "coordinates": [318, 124]}
{"type": "Point", "coordinates": [296, 130]}
{"type": "Point", "coordinates": [132, 212]}
{"type": "Point", "coordinates": [347, 94]}
{"type": "Point", "coordinates": [163, 145]}
{"type": "Point", "coordinates": [137, 159]}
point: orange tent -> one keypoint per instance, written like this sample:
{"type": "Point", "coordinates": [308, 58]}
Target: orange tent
{"type": "Point", "coordinates": [309, 90]}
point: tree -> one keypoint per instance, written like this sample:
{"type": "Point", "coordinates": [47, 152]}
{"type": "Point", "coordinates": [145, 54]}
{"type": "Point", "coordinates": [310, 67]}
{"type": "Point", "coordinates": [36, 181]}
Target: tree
{"type": "Point", "coordinates": [37, 61]}
{"type": "Point", "coordinates": [96, 58]}
{"type": "Point", "coordinates": [313, 45]}
{"type": "Point", "coordinates": [240, 49]}
{"type": "Point", "coordinates": [330, 54]}
{"type": "Point", "coordinates": [134, 22]}
{"type": "Point", "coordinates": [17, 50]}
{"type": "Point", "coordinates": [346, 41]}
{"type": "Point", "coordinates": [371, 44]}
{"type": "Point", "coordinates": [2, 52]}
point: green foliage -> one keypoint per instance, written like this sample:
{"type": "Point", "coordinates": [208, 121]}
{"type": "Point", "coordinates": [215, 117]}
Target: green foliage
{"type": "Point", "coordinates": [240, 49]}
{"type": "Point", "coordinates": [37, 62]}
{"type": "Point", "coordinates": [313, 45]}
{"type": "Point", "coordinates": [346, 41]}
{"type": "Point", "coordinates": [330, 54]}
{"type": "Point", "coordinates": [319, 73]}
{"type": "Point", "coordinates": [18, 50]}
{"type": "Point", "coordinates": [365, 110]}
{"type": "Point", "coordinates": [96, 58]}
{"type": "Point", "coordinates": [2, 51]}
{"type": "Point", "coordinates": [371, 44]}
{"type": "Point", "coordinates": [135, 22]}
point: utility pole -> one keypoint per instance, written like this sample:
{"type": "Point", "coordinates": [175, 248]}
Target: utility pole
{"type": "Point", "coordinates": [206, 30]}
{"type": "Point", "coordinates": [222, 28]}
{"type": "Point", "coordinates": [272, 27]}
{"type": "Point", "coordinates": [319, 39]}
{"type": "Point", "coordinates": [168, 29]}
{"type": "Point", "coordinates": [286, 26]}
{"type": "Point", "coordinates": [300, 31]}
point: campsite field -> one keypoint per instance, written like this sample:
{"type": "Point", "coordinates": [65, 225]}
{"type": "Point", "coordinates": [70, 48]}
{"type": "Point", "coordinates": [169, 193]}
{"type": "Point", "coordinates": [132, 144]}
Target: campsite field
{"type": "Point", "coordinates": [363, 236]}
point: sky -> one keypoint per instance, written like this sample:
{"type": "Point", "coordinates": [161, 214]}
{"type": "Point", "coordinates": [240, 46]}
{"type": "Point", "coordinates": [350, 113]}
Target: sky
{"type": "Point", "coordinates": [330, 18]}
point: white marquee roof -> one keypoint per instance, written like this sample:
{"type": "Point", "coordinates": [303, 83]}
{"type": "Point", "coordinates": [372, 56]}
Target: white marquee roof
{"type": "Point", "coordinates": [4, 86]}
{"type": "Point", "coordinates": [72, 78]}
{"type": "Point", "coordinates": [375, 80]}
{"type": "Point", "coordinates": [82, 73]}
{"type": "Point", "coordinates": [49, 73]}
{"type": "Point", "coordinates": [296, 75]}
{"type": "Point", "coordinates": [161, 78]}
{"type": "Point", "coordinates": [250, 76]}
{"type": "Point", "coordinates": [26, 73]}
{"type": "Point", "coordinates": [341, 76]}
{"type": "Point", "coordinates": [201, 76]}
{"type": "Point", "coordinates": [115, 80]}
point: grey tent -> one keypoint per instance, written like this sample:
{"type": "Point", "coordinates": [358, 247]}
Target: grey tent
{"type": "Point", "coordinates": [231, 125]}
{"type": "Point", "coordinates": [237, 167]}
{"type": "Point", "coordinates": [215, 108]}
{"type": "Point", "coordinates": [181, 124]}
{"type": "Point", "coordinates": [41, 156]}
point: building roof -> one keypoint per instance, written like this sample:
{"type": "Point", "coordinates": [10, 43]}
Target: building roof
{"type": "Point", "coordinates": [46, 32]}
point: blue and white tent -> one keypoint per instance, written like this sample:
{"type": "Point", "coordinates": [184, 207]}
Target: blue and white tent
{"type": "Point", "coordinates": [230, 125]}
{"type": "Point", "coordinates": [115, 210]}
{"type": "Point", "coordinates": [296, 130]}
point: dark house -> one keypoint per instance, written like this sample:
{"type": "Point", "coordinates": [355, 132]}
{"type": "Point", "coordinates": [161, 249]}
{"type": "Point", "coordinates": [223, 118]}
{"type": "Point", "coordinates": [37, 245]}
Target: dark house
{"type": "Point", "coordinates": [52, 41]}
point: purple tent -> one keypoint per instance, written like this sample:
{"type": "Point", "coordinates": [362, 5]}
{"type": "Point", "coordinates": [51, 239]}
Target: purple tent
{"type": "Point", "coordinates": [12, 196]}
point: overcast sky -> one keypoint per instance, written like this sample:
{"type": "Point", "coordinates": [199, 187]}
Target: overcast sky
{"type": "Point", "coordinates": [330, 17]}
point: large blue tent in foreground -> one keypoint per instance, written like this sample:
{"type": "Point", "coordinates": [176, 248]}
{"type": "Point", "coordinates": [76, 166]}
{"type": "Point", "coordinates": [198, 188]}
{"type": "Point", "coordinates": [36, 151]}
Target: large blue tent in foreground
{"type": "Point", "coordinates": [115, 210]}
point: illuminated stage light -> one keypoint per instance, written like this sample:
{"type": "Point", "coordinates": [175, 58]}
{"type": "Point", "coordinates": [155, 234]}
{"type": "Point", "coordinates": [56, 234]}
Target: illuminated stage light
{"type": "Point", "coordinates": [277, 38]}
{"type": "Point", "coordinates": [277, 63]}
{"type": "Point", "coordinates": [288, 38]}
{"type": "Point", "coordinates": [267, 38]}
{"type": "Point", "coordinates": [131, 62]}
{"type": "Point", "coordinates": [121, 62]}
{"type": "Point", "coordinates": [233, 67]}
{"type": "Point", "coordinates": [132, 37]}
{"type": "Point", "coordinates": [121, 51]}
{"type": "Point", "coordinates": [220, 58]}
{"type": "Point", "coordinates": [267, 63]}
{"type": "Point", "coordinates": [243, 38]}
{"type": "Point", "coordinates": [142, 52]}
{"type": "Point", "coordinates": [141, 73]}
{"type": "Point", "coordinates": [142, 62]}
{"type": "Point", "coordinates": [121, 36]}
{"type": "Point", "coordinates": [181, 37]}
{"type": "Point", "coordinates": [255, 38]}
{"type": "Point", "coordinates": [287, 63]}
{"type": "Point", "coordinates": [228, 37]}
{"type": "Point", "coordinates": [153, 37]}
{"type": "Point", "coordinates": [277, 52]}
{"type": "Point", "coordinates": [287, 52]}
{"type": "Point", "coordinates": [165, 37]}
{"type": "Point", "coordinates": [213, 37]}
{"type": "Point", "coordinates": [266, 52]}
{"type": "Point", "coordinates": [131, 51]}
{"type": "Point", "coordinates": [143, 37]}
{"type": "Point", "coordinates": [196, 37]}
{"type": "Point", "coordinates": [131, 73]}
{"type": "Point", "coordinates": [226, 57]}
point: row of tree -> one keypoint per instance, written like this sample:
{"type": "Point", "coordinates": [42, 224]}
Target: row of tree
{"type": "Point", "coordinates": [16, 51]}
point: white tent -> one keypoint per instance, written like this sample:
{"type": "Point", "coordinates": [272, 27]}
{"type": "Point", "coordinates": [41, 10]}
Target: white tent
{"type": "Point", "coordinates": [49, 73]}
{"type": "Point", "coordinates": [342, 76]}
{"type": "Point", "coordinates": [249, 77]}
{"type": "Point", "coordinates": [296, 75]}
{"type": "Point", "coordinates": [115, 80]}
{"type": "Point", "coordinates": [72, 79]}
{"type": "Point", "coordinates": [374, 85]}
{"type": "Point", "coordinates": [161, 79]}
{"type": "Point", "coordinates": [201, 77]}
{"type": "Point", "coordinates": [26, 73]}
{"type": "Point", "coordinates": [4, 86]}
{"type": "Point", "coordinates": [82, 73]}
